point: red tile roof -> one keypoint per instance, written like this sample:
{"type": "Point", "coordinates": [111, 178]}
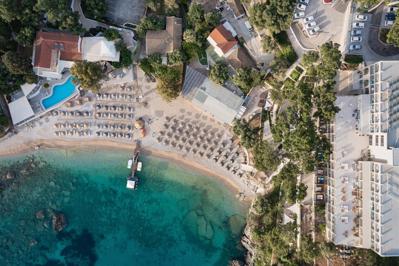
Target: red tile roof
{"type": "Point", "coordinates": [223, 38]}
{"type": "Point", "coordinates": [48, 42]}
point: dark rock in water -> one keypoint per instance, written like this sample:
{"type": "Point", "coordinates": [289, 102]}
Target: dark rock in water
{"type": "Point", "coordinates": [59, 221]}
{"type": "Point", "coordinates": [81, 250]}
{"type": "Point", "coordinates": [40, 215]}
{"type": "Point", "coordinates": [33, 242]}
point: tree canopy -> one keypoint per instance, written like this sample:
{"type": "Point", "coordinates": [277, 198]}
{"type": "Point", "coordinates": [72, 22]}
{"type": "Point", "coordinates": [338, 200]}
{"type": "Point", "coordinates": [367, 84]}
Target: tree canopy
{"type": "Point", "coordinates": [219, 73]}
{"type": "Point", "coordinates": [275, 15]}
{"type": "Point", "coordinates": [169, 78]}
{"type": "Point", "coordinates": [265, 157]}
{"type": "Point", "coordinates": [88, 74]}
{"type": "Point", "coordinates": [151, 22]}
{"type": "Point", "coordinates": [94, 9]}
{"type": "Point", "coordinates": [247, 78]}
{"type": "Point", "coordinates": [393, 34]}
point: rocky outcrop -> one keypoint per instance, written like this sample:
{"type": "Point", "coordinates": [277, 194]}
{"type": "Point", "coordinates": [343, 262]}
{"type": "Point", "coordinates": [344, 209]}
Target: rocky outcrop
{"type": "Point", "coordinates": [235, 263]}
{"type": "Point", "coordinates": [248, 245]}
{"type": "Point", "coordinates": [59, 221]}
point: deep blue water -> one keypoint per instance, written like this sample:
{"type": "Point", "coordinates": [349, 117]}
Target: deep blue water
{"type": "Point", "coordinates": [59, 93]}
{"type": "Point", "coordinates": [176, 217]}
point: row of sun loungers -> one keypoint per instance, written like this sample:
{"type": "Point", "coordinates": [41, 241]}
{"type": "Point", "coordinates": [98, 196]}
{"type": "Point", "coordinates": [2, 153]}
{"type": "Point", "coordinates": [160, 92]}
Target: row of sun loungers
{"type": "Point", "coordinates": [78, 133]}
{"type": "Point", "coordinates": [73, 125]}
{"type": "Point", "coordinates": [118, 96]}
{"type": "Point", "coordinates": [108, 134]}
{"type": "Point", "coordinates": [114, 115]}
{"type": "Point", "coordinates": [109, 107]}
{"type": "Point", "coordinates": [115, 126]}
{"type": "Point", "coordinates": [72, 113]}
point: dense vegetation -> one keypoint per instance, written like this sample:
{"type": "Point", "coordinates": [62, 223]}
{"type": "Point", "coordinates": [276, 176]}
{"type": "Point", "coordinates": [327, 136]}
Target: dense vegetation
{"type": "Point", "coordinates": [169, 78]}
{"type": "Point", "coordinates": [309, 99]}
{"type": "Point", "coordinates": [19, 22]}
{"type": "Point", "coordinates": [247, 78]}
{"type": "Point", "coordinates": [393, 34]}
{"type": "Point", "coordinates": [88, 74]}
{"type": "Point", "coordinates": [219, 73]}
{"type": "Point", "coordinates": [151, 22]}
{"type": "Point", "coordinates": [94, 9]}
{"type": "Point", "coordinates": [275, 15]}
{"type": "Point", "coordinates": [199, 25]}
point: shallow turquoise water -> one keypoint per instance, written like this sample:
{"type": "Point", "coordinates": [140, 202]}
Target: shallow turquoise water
{"type": "Point", "coordinates": [176, 217]}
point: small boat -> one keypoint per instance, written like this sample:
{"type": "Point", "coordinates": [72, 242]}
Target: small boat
{"type": "Point", "coordinates": [139, 166]}
{"type": "Point", "coordinates": [129, 163]}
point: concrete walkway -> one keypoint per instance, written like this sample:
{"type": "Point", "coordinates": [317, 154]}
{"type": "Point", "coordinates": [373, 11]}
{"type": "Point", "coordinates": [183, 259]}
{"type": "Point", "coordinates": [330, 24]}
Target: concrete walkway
{"type": "Point", "coordinates": [86, 22]}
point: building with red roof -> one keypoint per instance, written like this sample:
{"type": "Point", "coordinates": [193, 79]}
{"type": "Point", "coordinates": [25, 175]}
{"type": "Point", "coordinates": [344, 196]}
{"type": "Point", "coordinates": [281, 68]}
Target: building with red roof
{"type": "Point", "coordinates": [223, 40]}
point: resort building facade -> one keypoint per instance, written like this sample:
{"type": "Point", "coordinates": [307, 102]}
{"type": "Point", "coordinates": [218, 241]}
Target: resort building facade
{"type": "Point", "coordinates": [53, 52]}
{"type": "Point", "coordinates": [363, 185]}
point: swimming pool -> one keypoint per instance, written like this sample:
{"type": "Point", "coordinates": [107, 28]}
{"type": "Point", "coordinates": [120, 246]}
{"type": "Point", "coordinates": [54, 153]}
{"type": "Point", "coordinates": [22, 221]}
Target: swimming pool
{"type": "Point", "coordinates": [60, 93]}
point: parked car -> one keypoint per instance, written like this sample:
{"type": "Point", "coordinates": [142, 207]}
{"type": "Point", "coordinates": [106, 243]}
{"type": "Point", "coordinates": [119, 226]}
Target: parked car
{"type": "Point", "coordinates": [299, 14]}
{"type": "Point", "coordinates": [355, 47]}
{"type": "Point", "coordinates": [393, 9]}
{"type": "Point", "coordinates": [301, 7]}
{"type": "Point", "coordinates": [308, 19]}
{"type": "Point", "coordinates": [314, 31]}
{"type": "Point", "coordinates": [356, 32]}
{"type": "Point", "coordinates": [306, 2]}
{"type": "Point", "coordinates": [356, 38]}
{"type": "Point", "coordinates": [361, 17]}
{"type": "Point", "coordinates": [320, 180]}
{"type": "Point", "coordinates": [310, 25]}
{"type": "Point", "coordinates": [358, 25]}
{"type": "Point", "coordinates": [390, 16]}
{"type": "Point", "coordinates": [389, 22]}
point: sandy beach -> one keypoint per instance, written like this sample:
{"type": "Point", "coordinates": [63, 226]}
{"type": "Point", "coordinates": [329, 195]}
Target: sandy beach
{"type": "Point", "coordinates": [175, 131]}
{"type": "Point", "coordinates": [101, 144]}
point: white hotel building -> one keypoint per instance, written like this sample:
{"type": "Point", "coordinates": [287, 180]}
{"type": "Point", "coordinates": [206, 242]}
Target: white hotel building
{"type": "Point", "coordinates": [363, 185]}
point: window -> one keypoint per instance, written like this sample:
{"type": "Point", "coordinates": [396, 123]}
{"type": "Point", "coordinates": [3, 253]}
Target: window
{"type": "Point", "coordinates": [376, 140]}
{"type": "Point", "coordinates": [382, 140]}
{"type": "Point", "coordinates": [370, 140]}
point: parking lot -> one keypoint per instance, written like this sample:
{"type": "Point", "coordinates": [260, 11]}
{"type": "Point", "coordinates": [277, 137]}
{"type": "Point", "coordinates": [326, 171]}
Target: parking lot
{"type": "Point", "coordinates": [125, 11]}
{"type": "Point", "coordinates": [328, 18]}
{"type": "Point", "coordinates": [371, 47]}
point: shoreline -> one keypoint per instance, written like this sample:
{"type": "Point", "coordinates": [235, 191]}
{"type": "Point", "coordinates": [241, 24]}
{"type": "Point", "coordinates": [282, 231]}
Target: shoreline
{"type": "Point", "coordinates": [93, 144]}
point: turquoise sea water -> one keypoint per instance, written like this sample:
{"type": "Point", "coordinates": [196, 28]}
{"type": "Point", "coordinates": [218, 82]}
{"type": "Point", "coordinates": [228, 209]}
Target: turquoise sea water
{"type": "Point", "coordinates": [59, 93]}
{"type": "Point", "coordinates": [176, 217]}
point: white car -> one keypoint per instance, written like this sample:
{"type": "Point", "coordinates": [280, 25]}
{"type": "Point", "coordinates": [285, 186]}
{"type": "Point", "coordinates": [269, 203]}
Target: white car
{"type": "Point", "coordinates": [306, 2]}
{"type": "Point", "coordinates": [389, 23]}
{"type": "Point", "coordinates": [361, 17]}
{"type": "Point", "coordinates": [356, 32]}
{"type": "Point", "coordinates": [354, 47]}
{"type": "Point", "coordinates": [308, 19]}
{"type": "Point", "coordinates": [310, 25]}
{"type": "Point", "coordinates": [298, 15]}
{"type": "Point", "coordinates": [393, 9]}
{"type": "Point", "coordinates": [314, 31]}
{"type": "Point", "coordinates": [301, 7]}
{"type": "Point", "coordinates": [356, 38]}
{"type": "Point", "coordinates": [358, 25]}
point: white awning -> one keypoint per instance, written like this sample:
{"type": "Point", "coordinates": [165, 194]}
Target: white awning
{"type": "Point", "coordinates": [20, 110]}
{"type": "Point", "coordinates": [27, 88]}
{"type": "Point", "coordinates": [99, 49]}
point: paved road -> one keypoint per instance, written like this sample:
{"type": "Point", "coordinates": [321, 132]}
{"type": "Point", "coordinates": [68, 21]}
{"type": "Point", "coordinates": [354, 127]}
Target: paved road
{"type": "Point", "coordinates": [86, 23]}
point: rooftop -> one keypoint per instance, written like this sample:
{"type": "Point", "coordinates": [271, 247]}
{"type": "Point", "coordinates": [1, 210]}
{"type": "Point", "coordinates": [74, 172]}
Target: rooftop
{"type": "Point", "coordinates": [51, 46]}
{"type": "Point", "coordinates": [165, 41]}
{"type": "Point", "coordinates": [218, 101]}
{"type": "Point", "coordinates": [223, 38]}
